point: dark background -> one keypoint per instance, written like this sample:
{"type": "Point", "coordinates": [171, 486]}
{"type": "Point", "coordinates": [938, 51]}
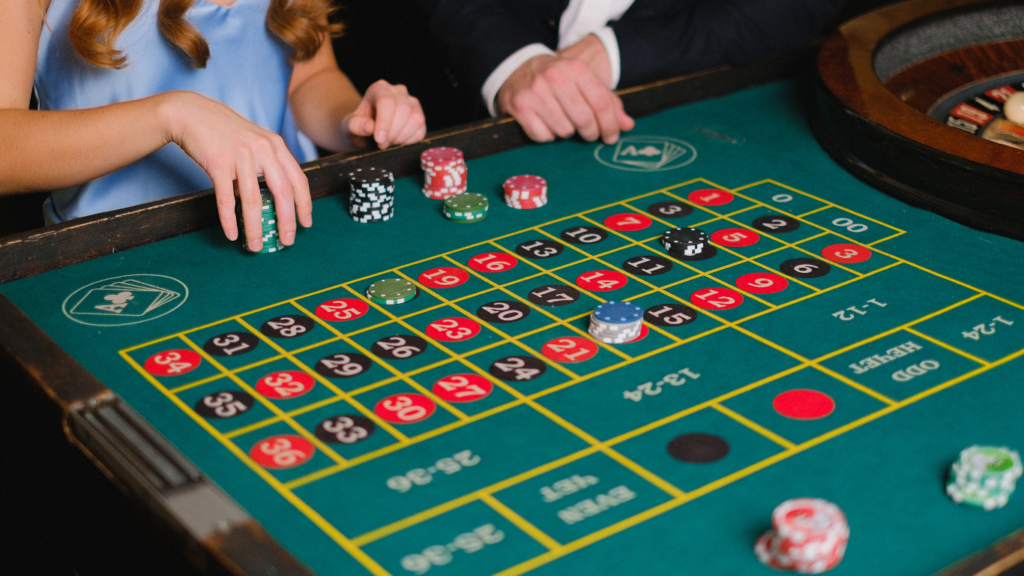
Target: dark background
{"type": "Point", "coordinates": [58, 513]}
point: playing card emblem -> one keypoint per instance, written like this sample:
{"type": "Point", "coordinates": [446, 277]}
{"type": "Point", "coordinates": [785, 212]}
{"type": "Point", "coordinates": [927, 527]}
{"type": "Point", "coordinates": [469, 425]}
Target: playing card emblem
{"type": "Point", "coordinates": [646, 153]}
{"type": "Point", "coordinates": [125, 300]}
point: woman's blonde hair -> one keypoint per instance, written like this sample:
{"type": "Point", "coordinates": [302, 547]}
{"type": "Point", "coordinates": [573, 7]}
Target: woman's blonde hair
{"type": "Point", "coordinates": [96, 24]}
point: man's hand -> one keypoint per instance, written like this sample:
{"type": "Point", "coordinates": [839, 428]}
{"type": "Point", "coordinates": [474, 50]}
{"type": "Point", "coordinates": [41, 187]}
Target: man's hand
{"type": "Point", "coordinates": [560, 95]}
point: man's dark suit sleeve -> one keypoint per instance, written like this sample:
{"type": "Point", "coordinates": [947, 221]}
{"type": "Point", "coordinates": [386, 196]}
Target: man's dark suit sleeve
{"type": "Point", "coordinates": [481, 34]}
{"type": "Point", "coordinates": [664, 38]}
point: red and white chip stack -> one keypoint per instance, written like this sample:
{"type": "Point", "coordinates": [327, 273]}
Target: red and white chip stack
{"type": "Point", "coordinates": [444, 172]}
{"type": "Point", "coordinates": [809, 537]}
{"type": "Point", "coordinates": [526, 191]}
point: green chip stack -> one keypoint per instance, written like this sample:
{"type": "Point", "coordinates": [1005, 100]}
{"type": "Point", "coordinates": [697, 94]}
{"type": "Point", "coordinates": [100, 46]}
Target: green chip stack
{"type": "Point", "coordinates": [268, 223]}
{"type": "Point", "coordinates": [984, 476]}
{"type": "Point", "coordinates": [390, 291]}
{"type": "Point", "coordinates": [465, 208]}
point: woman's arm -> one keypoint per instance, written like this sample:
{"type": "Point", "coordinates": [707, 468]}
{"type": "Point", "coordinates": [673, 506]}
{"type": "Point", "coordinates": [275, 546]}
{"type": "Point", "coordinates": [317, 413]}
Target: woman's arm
{"type": "Point", "coordinates": [44, 150]}
{"type": "Point", "coordinates": [329, 110]}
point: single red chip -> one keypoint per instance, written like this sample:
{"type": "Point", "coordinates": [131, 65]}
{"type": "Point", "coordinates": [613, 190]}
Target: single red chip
{"type": "Point", "coordinates": [453, 329]}
{"type": "Point", "coordinates": [716, 298]}
{"type": "Point", "coordinates": [444, 277]}
{"type": "Point", "coordinates": [570, 349]}
{"type": "Point", "coordinates": [629, 222]}
{"type": "Point", "coordinates": [285, 384]}
{"type": "Point", "coordinates": [601, 280]}
{"type": "Point", "coordinates": [804, 404]}
{"type": "Point", "coordinates": [405, 408]}
{"type": "Point", "coordinates": [762, 283]}
{"type": "Point", "coordinates": [735, 237]}
{"type": "Point", "coordinates": [493, 262]}
{"type": "Point", "coordinates": [342, 309]}
{"type": "Point", "coordinates": [172, 362]}
{"type": "Point", "coordinates": [441, 156]}
{"type": "Point", "coordinates": [846, 253]}
{"type": "Point", "coordinates": [282, 451]}
{"type": "Point", "coordinates": [463, 388]}
{"type": "Point", "coordinates": [525, 183]}
{"type": "Point", "coordinates": [710, 197]}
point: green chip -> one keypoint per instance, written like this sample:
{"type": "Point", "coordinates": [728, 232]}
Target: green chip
{"type": "Point", "coordinates": [466, 202]}
{"type": "Point", "coordinates": [391, 291]}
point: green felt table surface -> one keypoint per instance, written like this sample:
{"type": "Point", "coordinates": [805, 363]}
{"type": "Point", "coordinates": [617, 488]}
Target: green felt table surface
{"type": "Point", "coordinates": [882, 454]}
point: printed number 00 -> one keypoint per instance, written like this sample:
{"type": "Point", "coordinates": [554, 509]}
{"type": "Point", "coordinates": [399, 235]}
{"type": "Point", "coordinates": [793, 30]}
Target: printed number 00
{"type": "Point", "coordinates": [849, 225]}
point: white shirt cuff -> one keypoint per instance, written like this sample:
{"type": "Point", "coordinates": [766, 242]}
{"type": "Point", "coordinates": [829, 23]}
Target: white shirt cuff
{"type": "Point", "coordinates": [611, 45]}
{"type": "Point", "coordinates": [497, 78]}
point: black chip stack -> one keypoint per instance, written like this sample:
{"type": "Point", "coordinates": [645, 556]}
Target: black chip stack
{"type": "Point", "coordinates": [684, 241]}
{"type": "Point", "coordinates": [373, 195]}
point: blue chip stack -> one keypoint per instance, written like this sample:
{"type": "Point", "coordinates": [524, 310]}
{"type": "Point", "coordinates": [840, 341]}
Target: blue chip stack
{"type": "Point", "coordinates": [616, 322]}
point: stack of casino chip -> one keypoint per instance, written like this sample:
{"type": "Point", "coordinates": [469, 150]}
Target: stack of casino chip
{"type": "Point", "coordinates": [984, 476]}
{"type": "Point", "coordinates": [616, 322]}
{"type": "Point", "coordinates": [809, 537]}
{"type": "Point", "coordinates": [268, 223]}
{"type": "Point", "coordinates": [684, 241]}
{"type": "Point", "coordinates": [444, 172]}
{"type": "Point", "coordinates": [466, 208]}
{"type": "Point", "coordinates": [391, 291]}
{"type": "Point", "coordinates": [373, 195]}
{"type": "Point", "coordinates": [526, 191]}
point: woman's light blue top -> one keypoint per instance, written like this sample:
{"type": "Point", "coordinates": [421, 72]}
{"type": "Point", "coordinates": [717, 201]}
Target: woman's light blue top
{"type": "Point", "coordinates": [248, 70]}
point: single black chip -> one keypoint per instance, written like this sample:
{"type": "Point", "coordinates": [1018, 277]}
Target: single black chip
{"type": "Point", "coordinates": [518, 368]}
{"type": "Point", "coordinates": [343, 365]}
{"type": "Point", "coordinates": [288, 326]}
{"type": "Point", "coordinates": [647, 265]}
{"type": "Point", "coordinates": [698, 448]}
{"type": "Point", "coordinates": [539, 249]}
{"type": "Point", "coordinates": [670, 209]}
{"type": "Point", "coordinates": [584, 235]}
{"type": "Point", "coordinates": [231, 344]}
{"type": "Point", "coordinates": [670, 315]}
{"type": "Point", "coordinates": [775, 224]}
{"type": "Point", "coordinates": [554, 295]}
{"type": "Point", "coordinates": [226, 404]}
{"type": "Point", "coordinates": [503, 311]}
{"type": "Point", "coordinates": [805, 268]}
{"type": "Point", "coordinates": [399, 347]}
{"type": "Point", "coordinates": [707, 253]}
{"type": "Point", "coordinates": [345, 429]}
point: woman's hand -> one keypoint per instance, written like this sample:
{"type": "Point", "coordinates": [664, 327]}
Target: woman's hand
{"type": "Point", "coordinates": [234, 151]}
{"type": "Point", "coordinates": [388, 115]}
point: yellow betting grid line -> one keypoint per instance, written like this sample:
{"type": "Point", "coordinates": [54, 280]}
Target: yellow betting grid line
{"type": "Point", "coordinates": [637, 469]}
{"type": "Point", "coordinates": [942, 344]}
{"type": "Point", "coordinates": [679, 497]}
{"type": "Point", "coordinates": [754, 426]}
{"type": "Point", "coordinates": [753, 335]}
{"type": "Point", "coordinates": [520, 522]}
{"type": "Point", "coordinates": [325, 526]}
{"type": "Point", "coordinates": [327, 383]}
{"type": "Point", "coordinates": [684, 263]}
{"type": "Point", "coordinates": [751, 260]}
{"type": "Point", "coordinates": [387, 365]}
{"type": "Point", "coordinates": [543, 311]}
{"type": "Point", "coordinates": [265, 402]}
{"type": "Point", "coordinates": [794, 245]}
{"type": "Point", "coordinates": [608, 531]}
{"type": "Point", "coordinates": [809, 195]}
{"type": "Point", "coordinates": [502, 334]}
{"type": "Point", "coordinates": [598, 299]}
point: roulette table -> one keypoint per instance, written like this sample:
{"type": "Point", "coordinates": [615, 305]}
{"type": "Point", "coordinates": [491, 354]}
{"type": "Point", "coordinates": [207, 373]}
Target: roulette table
{"type": "Point", "coordinates": [829, 342]}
